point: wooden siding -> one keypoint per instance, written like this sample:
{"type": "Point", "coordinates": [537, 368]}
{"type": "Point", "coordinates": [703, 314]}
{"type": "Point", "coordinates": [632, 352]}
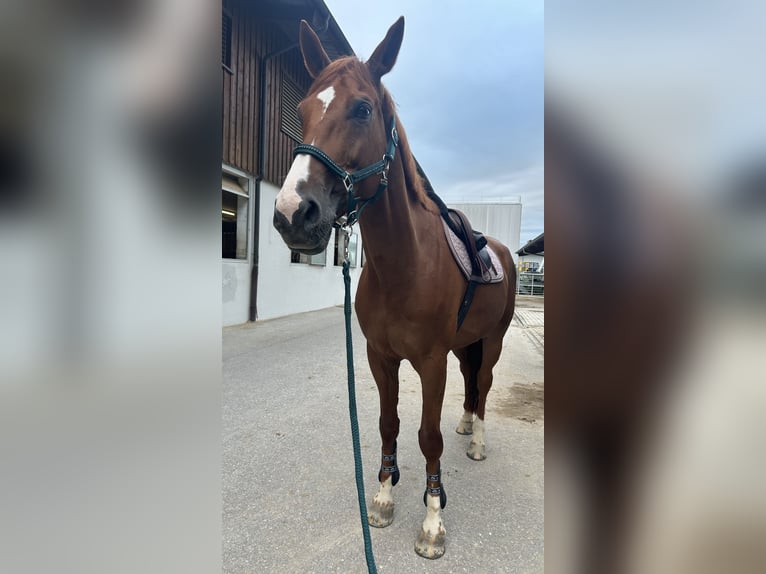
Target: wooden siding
{"type": "Point", "coordinates": [253, 40]}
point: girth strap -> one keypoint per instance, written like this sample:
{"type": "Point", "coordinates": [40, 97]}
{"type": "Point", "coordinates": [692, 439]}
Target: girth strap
{"type": "Point", "coordinates": [465, 305]}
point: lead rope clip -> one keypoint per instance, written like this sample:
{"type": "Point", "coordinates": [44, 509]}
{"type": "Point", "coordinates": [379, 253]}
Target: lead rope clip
{"type": "Point", "coordinates": [346, 239]}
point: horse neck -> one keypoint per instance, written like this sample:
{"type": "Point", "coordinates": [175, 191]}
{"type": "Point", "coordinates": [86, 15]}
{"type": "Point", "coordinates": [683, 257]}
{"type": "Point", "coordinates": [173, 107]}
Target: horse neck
{"type": "Point", "coordinates": [391, 227]}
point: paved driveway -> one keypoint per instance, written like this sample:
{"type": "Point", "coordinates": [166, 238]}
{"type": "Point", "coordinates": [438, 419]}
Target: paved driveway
{"type": "Point", "coordinates": [289, 498]}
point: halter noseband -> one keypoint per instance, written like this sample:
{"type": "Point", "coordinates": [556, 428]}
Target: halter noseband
{"type": "Point", "coordinates": [355, 204]}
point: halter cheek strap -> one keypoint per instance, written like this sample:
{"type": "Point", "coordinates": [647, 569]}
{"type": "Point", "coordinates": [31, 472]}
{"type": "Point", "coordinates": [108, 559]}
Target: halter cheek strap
{"type": "Point", "coordinates": [355, 204]}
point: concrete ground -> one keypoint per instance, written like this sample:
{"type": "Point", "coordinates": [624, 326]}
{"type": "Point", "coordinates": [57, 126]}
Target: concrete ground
{"type": "Point", "coordinates": [289, 496]}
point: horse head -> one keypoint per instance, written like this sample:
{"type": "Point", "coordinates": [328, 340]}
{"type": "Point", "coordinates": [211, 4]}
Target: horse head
{"type": "Point", "coordinates": [345, 116]}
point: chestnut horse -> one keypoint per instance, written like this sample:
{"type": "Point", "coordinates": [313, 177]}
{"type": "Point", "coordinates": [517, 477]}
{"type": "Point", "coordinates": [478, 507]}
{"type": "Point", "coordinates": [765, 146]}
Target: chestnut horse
{"type": "Point", "coordinates": [410, 288]}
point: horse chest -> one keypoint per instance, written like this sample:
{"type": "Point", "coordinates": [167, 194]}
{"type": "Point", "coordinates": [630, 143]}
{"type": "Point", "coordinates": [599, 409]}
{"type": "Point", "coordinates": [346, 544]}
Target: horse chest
{"type": "Point", "coordinates": [401, 331]}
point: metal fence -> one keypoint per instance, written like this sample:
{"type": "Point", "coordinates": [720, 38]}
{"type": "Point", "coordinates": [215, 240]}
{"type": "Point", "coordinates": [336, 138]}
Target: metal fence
{"type": "Point", "coordinates": [530, 283]}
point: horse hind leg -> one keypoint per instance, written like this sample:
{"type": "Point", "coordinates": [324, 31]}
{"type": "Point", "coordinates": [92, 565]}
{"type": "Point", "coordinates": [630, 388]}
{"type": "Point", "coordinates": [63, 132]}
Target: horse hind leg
{"type": "Point", "coordinates": [470, 361]}
{"type": "Point", "coordinates": [491, 354]}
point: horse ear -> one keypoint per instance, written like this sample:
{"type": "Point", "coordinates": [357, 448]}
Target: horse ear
{"type": "Point", "coordinates": [314, 57]}
{"type": "Point", "coordinates": [384, 56]}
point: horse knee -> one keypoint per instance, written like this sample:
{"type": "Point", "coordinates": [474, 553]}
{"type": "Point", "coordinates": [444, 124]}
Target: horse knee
{"type": "Point", "coordinates": [389, 427]}
{"type": "Point", "coordinates": [431, 442]}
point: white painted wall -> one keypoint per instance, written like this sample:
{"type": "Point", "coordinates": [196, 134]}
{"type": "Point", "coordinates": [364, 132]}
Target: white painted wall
{"type": "Point", "coordinates": [235, 291]}
{"type": "Point", "coordinates": [499, 220]}
{"type": "Point", "coordinates": [285, 288]}
{"type": "Point", "coordinates": [235, 273]}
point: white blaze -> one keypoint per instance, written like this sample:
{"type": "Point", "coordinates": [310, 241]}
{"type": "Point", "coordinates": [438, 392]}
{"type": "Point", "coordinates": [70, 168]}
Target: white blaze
{"type": "Point", "coordinates": [288, 199]}
{"type": "Point", "coordinates": [326, 96]}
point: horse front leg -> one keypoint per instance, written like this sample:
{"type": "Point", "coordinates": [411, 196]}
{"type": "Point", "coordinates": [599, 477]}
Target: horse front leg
{"type": "Point", "coordinates": [430, 542]}
{"type": "Point", "coordinates": [386, 373]}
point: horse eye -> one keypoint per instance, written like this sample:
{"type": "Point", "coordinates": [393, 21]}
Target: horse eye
{"type": "Point", "coordinates": [363, 111]}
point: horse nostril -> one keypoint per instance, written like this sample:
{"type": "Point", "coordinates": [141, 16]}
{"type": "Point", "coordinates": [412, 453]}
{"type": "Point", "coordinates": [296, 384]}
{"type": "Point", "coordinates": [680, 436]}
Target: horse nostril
{"type": "Point", "coordinates": [280, 221]}
{"type": "Point", "coordinates": [312, 211]}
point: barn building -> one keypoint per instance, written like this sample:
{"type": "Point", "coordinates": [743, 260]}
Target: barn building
{"type": "Point", "coordinates": [263, 79]}
{"type": "Point", "coordinates": [531, 267]}
{"type": "Point", "coordinates": [531, 257]}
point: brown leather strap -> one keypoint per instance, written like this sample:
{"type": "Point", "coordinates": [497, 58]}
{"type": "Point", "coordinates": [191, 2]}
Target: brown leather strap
{"type": "Point", "coordinates": [461, 221]}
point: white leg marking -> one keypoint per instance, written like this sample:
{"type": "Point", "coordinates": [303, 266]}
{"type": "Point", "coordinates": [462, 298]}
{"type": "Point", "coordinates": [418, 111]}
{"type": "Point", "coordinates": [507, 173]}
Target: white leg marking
{"type": "Point", "coordinates": [385, 494]}
{"type": "Point", "coordinates": [478, 432]}
{"type": "Point", "coordinates": [465, 426]}
{"type": "Point", "coordinates": [476, 449]}
{"type": "Point", "coordinates": [433, 524]}
{"type": "Point", "coordinates": [381, 512]}
{"type": "Point", "coordinates": [288, 199]}
{"type": "Point", "coordinates": [326, 96]}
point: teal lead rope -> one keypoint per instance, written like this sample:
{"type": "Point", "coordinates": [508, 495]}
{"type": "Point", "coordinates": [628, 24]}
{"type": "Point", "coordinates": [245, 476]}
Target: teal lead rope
{"type": "Point", "coordinates": [354, 423]}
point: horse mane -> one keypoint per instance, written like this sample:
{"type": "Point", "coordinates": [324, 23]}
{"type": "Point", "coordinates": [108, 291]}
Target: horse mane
{"type": "Point", "coordinates": [358, 71]}
{"type": "Point", "coordinates": [413, 181]}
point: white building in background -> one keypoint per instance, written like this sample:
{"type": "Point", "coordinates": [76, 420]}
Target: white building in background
{"type": "Point", "coordinates": [501, 220]}
{"type": "Point", "coordinates": [531, 267]}
{"type": "Point", "coordinates": [286, 282]}
{"type": "Point", "coordinates": [531, 257]}
{"type": "Point", "coordinates": [292, 283]}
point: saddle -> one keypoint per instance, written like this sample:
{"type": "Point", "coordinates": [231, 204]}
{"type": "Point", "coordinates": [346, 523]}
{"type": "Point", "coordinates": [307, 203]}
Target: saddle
{"type": "Point", "coordinates": [469, 247]}
{"type": "Point", "coordinates": [475, 258]}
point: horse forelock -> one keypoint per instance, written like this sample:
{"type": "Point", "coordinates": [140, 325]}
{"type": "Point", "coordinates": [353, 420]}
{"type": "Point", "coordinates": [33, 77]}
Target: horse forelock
{"type": "Point", "coordinates": [346, 68]}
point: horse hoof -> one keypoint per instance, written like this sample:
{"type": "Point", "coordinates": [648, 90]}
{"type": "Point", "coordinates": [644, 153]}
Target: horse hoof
{"type": "Point", "coordinates": [380, 515]}
{"type": "Point", "coordinates": [464, 428]}
{"type": "Point", "coordinates": [476, 451]}
{"type": "Point", "coordinates": [430, 546]}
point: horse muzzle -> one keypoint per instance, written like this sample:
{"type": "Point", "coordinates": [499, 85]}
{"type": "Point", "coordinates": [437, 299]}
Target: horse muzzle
{"type": "Point", "coordinates": [309, 229]}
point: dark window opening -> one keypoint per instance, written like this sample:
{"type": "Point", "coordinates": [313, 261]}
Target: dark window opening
{"type": "Point", "coordinates": [234, 219]}
{"type": "Point", "coordinates": [226, 40]}
{"type": "Point", "coordinates": [320, 259]}
{"type": "Point", "coordinates": [289, 120]}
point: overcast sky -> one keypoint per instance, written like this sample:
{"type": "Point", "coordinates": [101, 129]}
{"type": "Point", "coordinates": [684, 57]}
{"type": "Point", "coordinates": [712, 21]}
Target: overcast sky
{"type": "Point", "coordinates": [469, 86]}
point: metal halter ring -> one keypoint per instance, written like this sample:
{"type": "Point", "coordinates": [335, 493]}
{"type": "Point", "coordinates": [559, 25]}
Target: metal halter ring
{"type": "Point", "coordinates": [348, 183]}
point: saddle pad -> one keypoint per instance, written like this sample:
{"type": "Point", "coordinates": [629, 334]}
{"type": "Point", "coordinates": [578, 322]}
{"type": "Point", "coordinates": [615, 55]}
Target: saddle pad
{"type": "Point", "coordinates": [460, 253]}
